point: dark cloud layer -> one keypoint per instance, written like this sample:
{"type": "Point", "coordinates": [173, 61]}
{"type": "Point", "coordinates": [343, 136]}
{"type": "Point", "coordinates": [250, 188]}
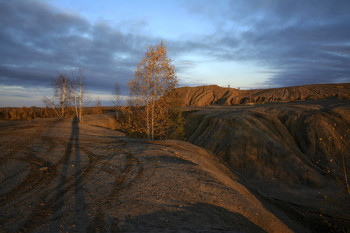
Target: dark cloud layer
{"type": "Point", "coordinates": [38, 41]}
{"type": "Point", "coordinates": [300, 42]}
{"type": "Point", "coordinates": [303, 42]}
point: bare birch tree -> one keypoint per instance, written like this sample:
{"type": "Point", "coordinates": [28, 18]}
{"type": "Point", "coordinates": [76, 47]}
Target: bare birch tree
{"type": "Point", "coordinates": [154, 78]}
{"type": "Point", "coordinates": [50, 103]}
{"type": "Point", "coordinates": [61, 86]}
{"type": "Point", "coordinates": [116, 99]}
{"type": "Point", "coordinates": [68, 91]}
{"type": "Point", "coordinates": [78, 94]}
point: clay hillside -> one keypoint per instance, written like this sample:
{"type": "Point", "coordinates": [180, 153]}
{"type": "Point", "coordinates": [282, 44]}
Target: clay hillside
{"type": "Point", "coordinates": [208, 95]}
{"type": "Point", "coordinates": [291, 152]}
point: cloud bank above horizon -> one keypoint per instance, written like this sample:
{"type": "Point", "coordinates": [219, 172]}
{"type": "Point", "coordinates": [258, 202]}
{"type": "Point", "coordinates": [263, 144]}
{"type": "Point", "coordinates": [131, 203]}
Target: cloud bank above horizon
{"type": "Point", "coordinates": [247, 44]}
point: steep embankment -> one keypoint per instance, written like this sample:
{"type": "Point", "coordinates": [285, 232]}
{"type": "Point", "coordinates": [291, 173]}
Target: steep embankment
{"type": "Point", "coordinates": [209, 95]}
{"type": "Point", "coordinates": [288, 153]}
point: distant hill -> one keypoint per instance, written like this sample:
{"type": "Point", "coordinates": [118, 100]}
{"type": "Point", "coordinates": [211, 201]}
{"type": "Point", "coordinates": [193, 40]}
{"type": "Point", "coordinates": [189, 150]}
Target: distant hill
{"type": "Point", "coordinates": [210, 95]}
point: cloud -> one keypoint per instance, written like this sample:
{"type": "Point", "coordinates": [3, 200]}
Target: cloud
{"type": "Point", "coordinates": [292, 42]}
{"type": "Point", "coordinates": [37, 41]}
{"type": "Point", "coordinates": [302, 42]}
{"type": "Point", "coordinates": [18, 96]}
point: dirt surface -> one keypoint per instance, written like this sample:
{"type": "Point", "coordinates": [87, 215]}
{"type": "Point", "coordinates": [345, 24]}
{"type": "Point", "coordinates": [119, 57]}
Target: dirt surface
{"type": "Point", "coordinates": [289, 154]}
{"type": "Point", "coordinates": [58, 175]}
{"type": "Point", "coordinates": [209, 95]}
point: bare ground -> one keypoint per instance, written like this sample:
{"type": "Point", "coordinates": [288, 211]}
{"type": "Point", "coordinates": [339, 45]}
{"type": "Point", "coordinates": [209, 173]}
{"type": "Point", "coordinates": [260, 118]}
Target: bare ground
{"type": "Point", "coordinates": [58, 175]}
{"type": "Point", "coordinates": [209, 95]}
{"type": "Point", "coordinates": [268, 171]}
{"type": "Point", "coordinates": [289, 154]}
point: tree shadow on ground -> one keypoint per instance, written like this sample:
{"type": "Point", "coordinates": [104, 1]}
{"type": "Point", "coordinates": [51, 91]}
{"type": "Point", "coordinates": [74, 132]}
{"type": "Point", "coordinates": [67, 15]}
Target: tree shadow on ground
{"type": "Point", "coordinates": [64, 179]}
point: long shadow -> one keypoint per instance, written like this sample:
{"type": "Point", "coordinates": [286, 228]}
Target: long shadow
{"type": "Point", "coordinates": [80, 206]}
{"type": "Point", "coordinates": [53, 208]}
{"type": "Point", "coordinates": [80, 215]}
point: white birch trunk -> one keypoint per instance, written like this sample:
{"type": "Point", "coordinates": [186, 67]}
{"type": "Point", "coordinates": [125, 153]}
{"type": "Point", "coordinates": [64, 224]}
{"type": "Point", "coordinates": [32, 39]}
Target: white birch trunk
{"type": "Point", "coordinates": [75, 101]}
{"type": "Point", "coordinates": [80, 101]}
{"type": "Point", "coordinates": [63, 98]}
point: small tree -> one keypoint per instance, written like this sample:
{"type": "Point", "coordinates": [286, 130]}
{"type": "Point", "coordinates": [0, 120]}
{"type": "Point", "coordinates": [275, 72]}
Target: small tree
{"type": "Point", "coordinates": [98, 107]}
{"type": "Point", "coordinates": [61, 86]}
{"type": "Point", "coordinates": [78, 94]}
{"type": "Point", "coordinates": [62, 91]}
{"type": "Point", "coordinates": [116, 99]}
{"type": "Point", "coordinates": [68, 91]}
{"type": "Point", "coordinates": [154, 79]}
{"type": "Point", "coordinates": [132, 119]}
{"type": "Point", "coordinates": [50, 103]}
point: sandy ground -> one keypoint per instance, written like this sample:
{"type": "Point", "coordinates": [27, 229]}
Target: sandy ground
{"type": "Point", "coordinates": [58, 175]}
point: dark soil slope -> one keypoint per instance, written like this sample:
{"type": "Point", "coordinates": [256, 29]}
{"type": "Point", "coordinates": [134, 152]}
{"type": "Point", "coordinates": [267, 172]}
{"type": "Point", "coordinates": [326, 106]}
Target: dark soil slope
{"type": "Point", "coordinates": [289, 153]}
{"type": "Point", "coordinates": [209, 95]}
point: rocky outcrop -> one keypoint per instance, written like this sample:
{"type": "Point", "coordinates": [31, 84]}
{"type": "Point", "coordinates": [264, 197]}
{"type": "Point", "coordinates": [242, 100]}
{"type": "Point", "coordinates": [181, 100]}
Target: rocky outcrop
{"type": "Point", "coordinates": [211, 95]}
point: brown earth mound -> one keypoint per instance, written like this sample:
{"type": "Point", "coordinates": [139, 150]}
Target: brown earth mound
{"type": "Point", "coordinates": [209, 95]}
{"type": "Point", "coordinates": [65, 176]}
{"type": "Point", "coordinates": [289, 153]}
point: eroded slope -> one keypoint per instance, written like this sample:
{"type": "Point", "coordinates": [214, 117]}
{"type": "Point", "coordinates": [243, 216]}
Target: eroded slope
{"type": "Point", "coordinates": [290, 154]}
{"type": "Point", "coordinates": [61, 175]}
{"type": "Point", "coordinates": [210, 95]}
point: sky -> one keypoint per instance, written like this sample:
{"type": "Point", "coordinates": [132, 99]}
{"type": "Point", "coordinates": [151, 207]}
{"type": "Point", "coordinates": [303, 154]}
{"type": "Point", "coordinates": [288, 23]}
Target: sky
{"type": "Point", "coordinates": [242, 43]}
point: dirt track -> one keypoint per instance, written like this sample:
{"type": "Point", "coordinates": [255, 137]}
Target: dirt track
{"type": "Point", "coordinates": [61, 175]}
